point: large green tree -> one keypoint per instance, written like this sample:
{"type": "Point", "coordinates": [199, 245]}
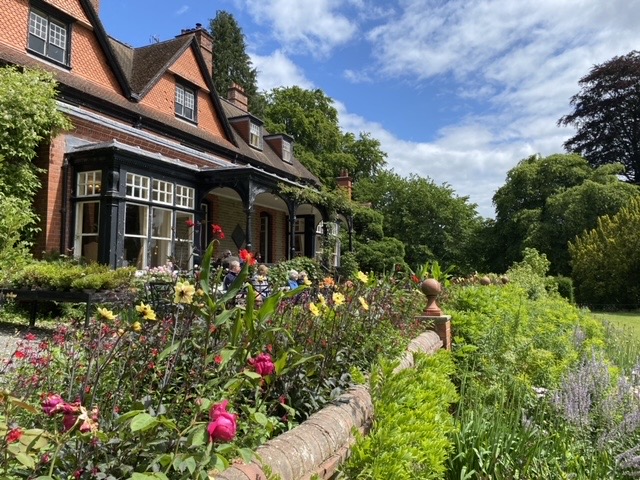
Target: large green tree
{"type": "Point", "coordinates": [546, 202]}
{"type": "Point", "coordinates": [606, 114]}
{"type": "Point", "coordinates": [320, 144]}
{"type": "Point", "coordinates": [231, 63]}
{"type": "Point", "coordinates": [28, 117]}
{"type": "Point", "coordinates": [430, 220]}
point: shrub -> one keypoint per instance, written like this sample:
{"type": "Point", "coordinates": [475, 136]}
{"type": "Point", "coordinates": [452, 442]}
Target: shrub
{"type": "Point", "coordinates": [565, 287]}
{"type": "Point", "coordinates": [279, 273]}
{"type": "Point", "coordinates": [606, 261]}
{"type": "Point", "coordinates": [348, 265]}
{"type": "Point", "coordinates": [410, 438]}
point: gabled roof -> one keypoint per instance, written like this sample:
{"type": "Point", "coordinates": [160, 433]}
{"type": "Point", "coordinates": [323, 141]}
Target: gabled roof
{"type": "Point", "coordinates": [267, 157]}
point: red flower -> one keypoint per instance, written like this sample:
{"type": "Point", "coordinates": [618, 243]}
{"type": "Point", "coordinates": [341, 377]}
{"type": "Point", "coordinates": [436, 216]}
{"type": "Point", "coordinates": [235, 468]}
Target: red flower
{"type": "Point", "coordinates": [19, 354]}
{"type": "Point", "coordinates": [247, 257]}
{"type": "Point", "coordinates": [218, 359]}
{"type": "Point", "coordinates": [217, 231]}
{"type": "Point", "coordinates": [415, 279]}
{"type": "Point", "coordinates": [189, 223]}
{"type": "Point", "coordinates": [52, 404]}
{"type": "Point", "coordinates": [30, 337]}
{"type": "Point", "coordinates": [263, 364]}
{"type": "Point", "coordinates": [14, 435]}
{"type": "Point", "coordinates": [223, 424]}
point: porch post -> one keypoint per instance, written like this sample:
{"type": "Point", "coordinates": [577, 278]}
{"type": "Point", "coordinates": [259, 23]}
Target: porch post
{"type": "Point", "coordinates": [292, 229]}
{"type": "Point", "coordinates": [350, 227]}
{"type": "Point", "coordinates": [249, 212]}
{"type": "Point", "coordinates": [110, 245]}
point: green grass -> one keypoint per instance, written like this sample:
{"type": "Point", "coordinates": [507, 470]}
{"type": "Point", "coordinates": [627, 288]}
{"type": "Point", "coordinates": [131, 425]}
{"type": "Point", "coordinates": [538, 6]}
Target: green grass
{"type": "Point", "coordinates": [627, 322]}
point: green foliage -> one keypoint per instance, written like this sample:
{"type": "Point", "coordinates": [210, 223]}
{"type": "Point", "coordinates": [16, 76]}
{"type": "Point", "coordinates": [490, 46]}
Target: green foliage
{"type": "Point", "coordinates": [380, 255]}
{"type": "Point", "coordinates": [348, 265]}
{"type": "Point", "coordinates": [15, 216]}
{"type": "Point", "coordinates": [431, 222]}
{"type": "Point", "coordinates": [67, 275]}
{"type": "Point", "coordinates": [546, 202]}
{"type": "Point", "coordinates": [231, 63]}
{"type": "Point", "coordinates": [606, 261]}
{"type": "Point", "coordinates": [28, 116]}
{"type": "Point", "coordinates": [334, 201]}
{"type": "Point", "coordinates": [565, 287]}
{"type": "Point", "coordinates": [310, 117]}
{"type": "Point", "coordinates": [279, 273]}
{"type": "Point", "coordinates": [410, 436]}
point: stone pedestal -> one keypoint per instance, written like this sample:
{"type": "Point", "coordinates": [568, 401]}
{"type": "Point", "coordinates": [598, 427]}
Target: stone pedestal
{"type": "Point", "coordinates": [441, 325]}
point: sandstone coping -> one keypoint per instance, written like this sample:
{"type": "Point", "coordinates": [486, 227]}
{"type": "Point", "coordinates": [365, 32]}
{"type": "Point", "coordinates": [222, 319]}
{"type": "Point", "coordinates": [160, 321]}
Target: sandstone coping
{"type": "Point", "coordinates": [319, 445]}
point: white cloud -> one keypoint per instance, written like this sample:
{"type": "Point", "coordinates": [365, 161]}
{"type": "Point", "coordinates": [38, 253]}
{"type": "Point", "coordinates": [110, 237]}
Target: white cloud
{"type": "Point", "coordinates": [306, 26]}
{"type": "Point", "coordinates": [277, 70]}
{"type": "Point", "coordinates": [182, 9]}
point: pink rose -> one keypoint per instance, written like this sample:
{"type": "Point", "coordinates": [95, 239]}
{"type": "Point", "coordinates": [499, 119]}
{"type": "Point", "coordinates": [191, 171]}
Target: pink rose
{"type": "Point", "coordinates": [51, 404]}
{"type": "Point", "coordinates": [263, 364]}
{"type": "Point", "coordinates": [223, 424]}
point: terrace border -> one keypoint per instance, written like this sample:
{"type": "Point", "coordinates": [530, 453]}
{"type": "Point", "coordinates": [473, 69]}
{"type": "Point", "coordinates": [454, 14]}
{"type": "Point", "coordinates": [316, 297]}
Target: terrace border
{"type": "Point", "coordinates": [318, 446]}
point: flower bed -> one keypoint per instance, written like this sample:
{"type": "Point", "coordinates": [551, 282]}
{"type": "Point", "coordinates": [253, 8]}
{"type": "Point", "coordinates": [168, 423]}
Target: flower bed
{"type": "Point", "coordinates": [139, 395]}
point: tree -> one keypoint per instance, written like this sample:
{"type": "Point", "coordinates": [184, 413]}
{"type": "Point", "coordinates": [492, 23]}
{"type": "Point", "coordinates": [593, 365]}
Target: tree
{"type": "Point", "coordinates": [546, 202]}
{"type": "Point", "coordinates": [311, 119]}
{"type": "Point", "coordinates": [606, 260]}
{"type": "Point", "coordinates": [231, 64]}
{"type": "Point", "coordinates": [430, 220]}
{"type": "Point", "coordinates": [606, 114]}
{"type": "Point", "coordinates": [28, 117]}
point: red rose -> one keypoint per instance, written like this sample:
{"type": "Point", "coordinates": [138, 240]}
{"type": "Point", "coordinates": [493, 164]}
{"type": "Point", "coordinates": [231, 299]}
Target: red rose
{"type": "Point", "coordinates": [14, 435]}
{"type": "Point", "coordinates": [50, 405]}
{"type": "Point", "coordinates": [263, 364]}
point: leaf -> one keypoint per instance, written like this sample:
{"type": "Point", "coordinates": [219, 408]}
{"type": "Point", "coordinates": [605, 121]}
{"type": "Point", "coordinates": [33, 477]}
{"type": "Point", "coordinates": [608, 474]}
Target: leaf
{"type": "Point", "coordinates": [147, 476]}
{"type": "Point", "coordinates": [25, 406]}
{"type": "Point", "coordinates": [142, 422]}
{"type": "Point", "coordinates": [260, 418]}
{"type": "Point", "coordinates": [191, 464]}
{"type": "Point", "coordinates": [246, 454]}
{"type": "Point", "coordinates": [25, 459]}
{"type": "Point", "coordinates": [198, 436]}
{"type": "Point", "coordinates": [169, 350]}
{"type": "Point", "coordinates": [281, 363]}
{"type": "Point", "coordinates": [251, 375]}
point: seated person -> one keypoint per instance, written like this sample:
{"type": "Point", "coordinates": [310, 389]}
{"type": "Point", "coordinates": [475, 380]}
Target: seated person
{"type": "Point", "coordinates": [234, 270]}
{"type": "Point", "coordinates": [293, 279]}
{"type": "Point", "coordinates": [260, 282]}
{"type": "Point", "coordinates": [303, 278]}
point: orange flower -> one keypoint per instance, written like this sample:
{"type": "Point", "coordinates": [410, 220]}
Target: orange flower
{"type": "Point", "coordinates": [247, 257]}
{"type": "Point", "coordinates": [328, 282]}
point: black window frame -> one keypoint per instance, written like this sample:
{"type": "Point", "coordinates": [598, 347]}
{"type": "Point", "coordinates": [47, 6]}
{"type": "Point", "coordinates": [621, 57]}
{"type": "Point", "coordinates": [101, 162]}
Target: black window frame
{"type": "Point", "coordinates": [186, 87]}
{"type": "Point", "coordinates": [57, 18]}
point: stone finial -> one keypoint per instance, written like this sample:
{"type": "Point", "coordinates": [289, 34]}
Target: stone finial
{"type": "Point", "coordinates": [431, 288]}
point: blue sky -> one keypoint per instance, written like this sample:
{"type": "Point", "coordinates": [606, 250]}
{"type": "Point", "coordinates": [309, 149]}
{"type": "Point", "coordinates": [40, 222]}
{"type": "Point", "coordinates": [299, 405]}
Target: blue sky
{"type": "Point", "coordinates": [455, 90]}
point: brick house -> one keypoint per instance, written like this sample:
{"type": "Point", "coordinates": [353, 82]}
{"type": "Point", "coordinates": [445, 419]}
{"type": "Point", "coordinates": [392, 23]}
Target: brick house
{"type": "Point", "coordinates": [154, 149]}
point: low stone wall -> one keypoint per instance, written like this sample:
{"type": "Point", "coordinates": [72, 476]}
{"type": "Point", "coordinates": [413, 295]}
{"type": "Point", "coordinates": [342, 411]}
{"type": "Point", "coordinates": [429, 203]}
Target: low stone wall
{"type": "Point", "coordinates": [318, 446]}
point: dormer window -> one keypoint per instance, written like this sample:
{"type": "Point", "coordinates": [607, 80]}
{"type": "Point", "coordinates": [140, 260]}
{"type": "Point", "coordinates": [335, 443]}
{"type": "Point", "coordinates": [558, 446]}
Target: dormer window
{"type": "Point", "coordinates": [255, 135]}
{"type": "Point", "coordinates": [286, 152]}
{"type": "Point", "coordinates": [49, 36]}
{"type": "Point", "coordinates": [185, 102]}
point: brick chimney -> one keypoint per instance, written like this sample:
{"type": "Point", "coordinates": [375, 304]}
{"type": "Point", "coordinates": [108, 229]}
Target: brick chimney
{"type": "Point", "coordinates": [345, 181]}
{"type": "Point", "coordinates": [236, 95]}
{"type": "Point", "coordinates": [204, 39]}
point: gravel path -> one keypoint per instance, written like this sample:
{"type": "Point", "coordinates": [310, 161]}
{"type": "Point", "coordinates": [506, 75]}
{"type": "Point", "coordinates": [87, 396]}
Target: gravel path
{"type": "Point", "coordinates": [11, 335]}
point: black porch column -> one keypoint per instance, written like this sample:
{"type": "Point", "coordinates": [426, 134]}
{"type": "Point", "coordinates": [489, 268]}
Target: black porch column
{"type": "Point", "coordinates": [249, 212]}
{"type": "Point", "coordinates": [110, 245]}
{"type": "Point", "coordinates": [292, 229]}
{"type": "Point", "coordinates": [350, 227]}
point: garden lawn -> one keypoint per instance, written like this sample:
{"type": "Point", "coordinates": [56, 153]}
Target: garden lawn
{"type": "Point", "coordinates": [628, 322]}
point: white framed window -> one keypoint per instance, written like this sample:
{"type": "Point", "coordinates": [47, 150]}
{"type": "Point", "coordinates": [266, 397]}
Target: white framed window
{"type": "Point", "coordinates": [136, 234]}
{"type": "Point", "coordinates": [185, 102]}
{"type": "Point", "coordinates": [161, 236]}
{"type": "Point", "coordinates": [162, 192]}
{"type": "Point", "coordinates": [48, 36]}
{"type": "Point", "coordinates": [183, 246]}
{"type": "Point", "coordinates": [89, 183]}
{"type": "Point", "coordinates": [87, 230]}
{"type": "Point", "coordinates": [185, 196]}
{"type": "Point", "coordinates": [255, 135]}
{"type": "Point", "coordinates": [137, 186]}
{"type": "Point", "coordinates": [286, 152]}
